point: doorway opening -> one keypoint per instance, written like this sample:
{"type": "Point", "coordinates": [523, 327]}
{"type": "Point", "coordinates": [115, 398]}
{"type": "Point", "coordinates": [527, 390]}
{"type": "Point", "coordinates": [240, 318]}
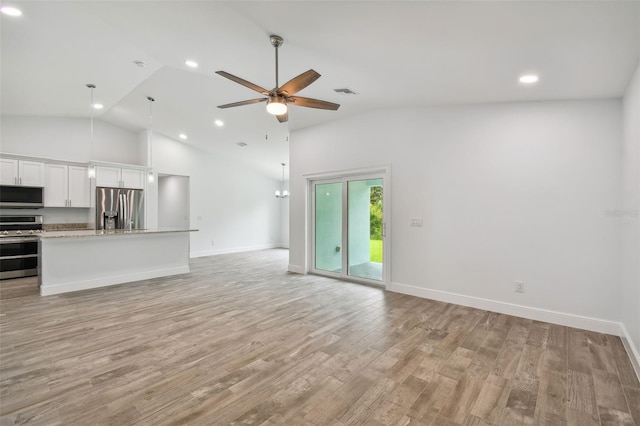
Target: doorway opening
{"type": "Point", "coordinates": [173, 201]}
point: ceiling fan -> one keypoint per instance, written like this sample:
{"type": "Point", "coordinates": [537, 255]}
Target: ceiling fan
{"type": "Point", "coordinates": [278, 98]}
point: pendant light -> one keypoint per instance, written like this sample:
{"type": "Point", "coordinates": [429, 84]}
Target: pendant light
{"type": "Point", "coordinates": [284, 193]}
{"type": "Point", "coordinates": [91, 170]}
{"type": "Point", "coordinates": [150, 139]}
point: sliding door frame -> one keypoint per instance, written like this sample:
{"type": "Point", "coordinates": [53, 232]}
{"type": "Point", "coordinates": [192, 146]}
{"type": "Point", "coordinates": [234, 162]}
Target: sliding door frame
{"type": "Point", "coordinates": [343, 176]}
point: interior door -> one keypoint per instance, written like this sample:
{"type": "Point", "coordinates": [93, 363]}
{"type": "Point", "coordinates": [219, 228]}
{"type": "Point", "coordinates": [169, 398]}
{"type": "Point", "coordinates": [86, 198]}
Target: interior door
{"type": "Point", "coordinates": [348, 235]}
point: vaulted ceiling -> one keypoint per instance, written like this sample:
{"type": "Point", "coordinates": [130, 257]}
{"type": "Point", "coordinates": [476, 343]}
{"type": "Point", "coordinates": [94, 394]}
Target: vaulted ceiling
{"type": "Point", "coordinates": [393, 54]}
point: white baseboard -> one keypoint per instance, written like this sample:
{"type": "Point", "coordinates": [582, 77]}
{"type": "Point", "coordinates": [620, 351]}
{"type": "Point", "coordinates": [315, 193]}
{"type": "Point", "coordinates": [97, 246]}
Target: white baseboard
{"type": "Point", "coordinates": [204, 253]}
{"type": "Point", "coordinates": [631, 349]}
{"type": "Point", "coordinates": [296, 269]}
{"type": "Point", "coordinates": [112, 280]}
{"type": "Point", "coordinates": [560, 318]}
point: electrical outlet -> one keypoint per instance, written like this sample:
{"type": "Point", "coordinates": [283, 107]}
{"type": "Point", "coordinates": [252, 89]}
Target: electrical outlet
{"type": "Point", "coordinates": [416, 221]}
{"type": "Point", "coordinates": [519, 287]}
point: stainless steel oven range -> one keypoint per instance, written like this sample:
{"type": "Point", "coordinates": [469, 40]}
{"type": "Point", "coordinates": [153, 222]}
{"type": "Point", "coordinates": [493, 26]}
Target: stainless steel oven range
{"type": "Point", "coordinates": [19, 246]}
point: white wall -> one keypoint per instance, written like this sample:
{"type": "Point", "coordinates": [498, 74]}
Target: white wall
{"type": "Point", "coordinates": [629, 213]}
{"type": "Point", "coordinates": [506, 192]}
{"type": "Point", "coordinates": [232, 206]}
{"type": "Point", "coordinates": [68, 139]}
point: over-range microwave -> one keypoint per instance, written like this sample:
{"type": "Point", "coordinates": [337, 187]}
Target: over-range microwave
{"type": "Point", "coordinates": [21, 197]}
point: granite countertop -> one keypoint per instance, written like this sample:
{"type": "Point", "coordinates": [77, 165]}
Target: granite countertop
{"type": "Point", "coordinates": [76, 233]}
{"type": "Point", "coordinates": [66, 226]}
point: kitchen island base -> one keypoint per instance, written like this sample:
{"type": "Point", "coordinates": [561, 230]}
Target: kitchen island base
{"type": "Point", "coordinates": [84, 261]}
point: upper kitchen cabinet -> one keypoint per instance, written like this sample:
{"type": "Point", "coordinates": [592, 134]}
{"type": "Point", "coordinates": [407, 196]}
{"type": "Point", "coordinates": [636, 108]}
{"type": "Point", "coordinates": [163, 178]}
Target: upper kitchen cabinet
{"type": "Point", "coordinates": [119, 177]}
{"type": "Point", "coordinates": [67, 186]}
{"type": "Point", "coordinates": [21, 172]}
{"type": "Point", "coordinates": [132, 178]}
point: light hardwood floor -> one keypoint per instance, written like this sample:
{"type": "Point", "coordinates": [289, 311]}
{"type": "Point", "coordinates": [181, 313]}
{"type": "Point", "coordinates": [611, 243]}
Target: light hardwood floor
{"type": "Point", "coordinates": [241, 341]}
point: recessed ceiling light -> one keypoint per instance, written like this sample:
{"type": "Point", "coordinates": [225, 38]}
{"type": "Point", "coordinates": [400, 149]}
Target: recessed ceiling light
{"type": "Point", "coordinates": [529, 78]}
{"type": "Point", "coordinates": [190, 63]}
{"type": "Point", "coordinates": [219, 123]}
{"type": "Point", "coordinates": [182, 136]}
{"type": "Point", "coordinates": [98, 106]}
{"type": "Point", "coordinates": [11, 11]}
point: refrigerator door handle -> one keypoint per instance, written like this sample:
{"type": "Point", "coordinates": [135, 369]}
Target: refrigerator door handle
{"type": "Point", "coordinates": [125, 201]}
{"type": "Point", "coordinates": [121, 217]}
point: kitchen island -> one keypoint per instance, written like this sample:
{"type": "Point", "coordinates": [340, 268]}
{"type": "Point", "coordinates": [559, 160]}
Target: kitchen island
{"type": "Point", "coordinates": [84, 259]}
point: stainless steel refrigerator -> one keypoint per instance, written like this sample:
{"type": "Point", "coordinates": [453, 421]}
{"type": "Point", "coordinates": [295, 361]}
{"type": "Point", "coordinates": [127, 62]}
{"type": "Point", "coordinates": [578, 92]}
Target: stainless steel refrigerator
{"type": "Point", "coordinates": [119, 208]}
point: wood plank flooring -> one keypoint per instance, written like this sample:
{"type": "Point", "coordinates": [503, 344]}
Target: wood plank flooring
{"type": "Point", "coordinates": [241, 341]}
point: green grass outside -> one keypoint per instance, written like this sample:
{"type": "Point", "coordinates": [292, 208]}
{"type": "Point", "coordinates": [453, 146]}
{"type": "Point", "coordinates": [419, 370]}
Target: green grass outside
{"type": "Point", "coordinates": [375, 250]}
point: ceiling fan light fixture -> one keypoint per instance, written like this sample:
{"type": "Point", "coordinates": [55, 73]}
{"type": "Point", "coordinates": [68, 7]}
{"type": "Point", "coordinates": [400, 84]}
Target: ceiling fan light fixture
{"type": "Point", "coordinates": [276, 106]}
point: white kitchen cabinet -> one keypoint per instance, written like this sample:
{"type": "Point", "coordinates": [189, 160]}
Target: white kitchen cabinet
{"type": "Point", "coordinates": [21, 172]}
{"type": "Point", "coordinates": [56, 185]}
{"type": "Point", "coordinates": [133, 178]}
{"type": "Point", "coordinates": [108, 176]}
{"type": "Point", "coordinates": [79, 187]}
{"type": "Point", "coordinates": [119, 178]}
{"type": "Point", "coordinates": [66, 186]}
{"type": "Point", "coordinates": [8, 171]}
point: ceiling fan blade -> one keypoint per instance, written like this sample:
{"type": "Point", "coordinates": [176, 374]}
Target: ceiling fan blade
{"type": "Point", "coordinates": [245, 83]}
{"type": "Point", "coordinates": [283, 118]}
{"type": "Point", "coordinates": [298, 83]}
{"type": "Point", "coordinates": [241, 103]}
{"type": "Point", "coordinates": [313, 103]}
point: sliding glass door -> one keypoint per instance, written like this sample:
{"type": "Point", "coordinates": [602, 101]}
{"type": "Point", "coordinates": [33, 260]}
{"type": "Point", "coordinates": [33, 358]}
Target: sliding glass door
{"type": "Point", "coordinates": [349, 228]}
{"type": "Point", "coordinates": [328, 227]}
{"type": "Point", "coordinates": [365, 229]}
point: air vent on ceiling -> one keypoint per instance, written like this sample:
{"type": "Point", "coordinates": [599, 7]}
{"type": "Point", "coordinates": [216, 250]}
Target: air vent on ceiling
{"type": "Point", "coordinates": [241, 144]}
{"type": "Point", "coordinates": [346, 91]}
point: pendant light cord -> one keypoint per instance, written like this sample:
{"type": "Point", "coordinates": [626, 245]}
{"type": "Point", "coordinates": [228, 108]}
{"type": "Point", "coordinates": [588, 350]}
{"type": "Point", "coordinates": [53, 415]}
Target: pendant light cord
{"type": "Point", "coordinates": [151, 101]}
{"type": "Point", "coordinates": [91, 87]}
{"type": "Point", "coordinates": [91, 173]}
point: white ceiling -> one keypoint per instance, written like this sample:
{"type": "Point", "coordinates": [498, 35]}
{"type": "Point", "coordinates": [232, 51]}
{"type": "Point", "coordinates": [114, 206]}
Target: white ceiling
{"type": "Point", "coordinates": [392, 53]}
